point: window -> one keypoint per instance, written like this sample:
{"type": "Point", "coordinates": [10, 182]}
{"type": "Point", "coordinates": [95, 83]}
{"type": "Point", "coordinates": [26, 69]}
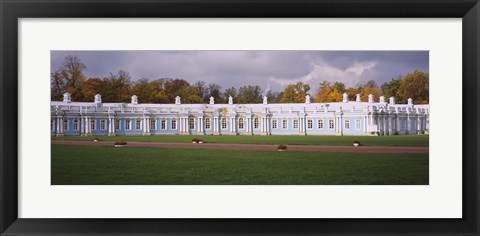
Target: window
{"type": "Point", "coordinates": [65, 125]}
{"type": "Point", "coordinates": [357, 124]}
{"type": "Point", "coordinates": [103, 124]}
{"type": "Point", "coordinates": [309, 124]}
{"type": "Point", "coordinates": [285, 124]}
{"type": "Point", "coordinates": [224, 123]}
{"type": "Point", "coordinates": [320, 123]}
{"type": "Point", "coordinates": [331, 124]}
{"type": "Point", "coordinates": [75, 124]}
{"type": "Point", "coordinates": [240, 123]}
{"type": "Point", "coordinates": [51, 125]}
{"type": "Point", "coordinates": [295, 124]}
{"type": "Point", "coordinates": [117, 124]}
{"type": "Point", "coordinates": [138, 124]}
{"type": "Point", "coordinates": [174, 123]}
{"type": "Point", "coordinates": [256, 123]}
{"type": "Point", "coordinates": [164, 124]}
{"type": "Point", "coordinates": [128, 124]}
{"type": "Point", "coordinates": [207, 123]}
{"type": "Point", "coordinates": [274, 124]}
{"type": "Point", "coordinates": [191, 123]}
{"type": "Point", "coordinates": [93, 124]}
{"type": "Point", "coordinates": [153, 124]}
{"type": "Point", "coordinates": [347, 124]}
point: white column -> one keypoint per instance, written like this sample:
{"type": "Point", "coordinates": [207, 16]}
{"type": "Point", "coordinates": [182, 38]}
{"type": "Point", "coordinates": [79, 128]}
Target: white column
{"type": "Point", "coordinates": [365, 122]}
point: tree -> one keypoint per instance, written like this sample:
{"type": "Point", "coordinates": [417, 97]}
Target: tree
{"type": "Point", "coordinates": [415, 85]}
{"type": "Point", "coordinates": [340, 87]}
{"type": "Point", "coordinates": [391, 89]}
{"type": "Point", "coordinates": [57, 86]}
{"type": "Point", "coordinates": [92, 87]}
{"type": "Point", "coordinates": [273, 97]}
{"type": "Point", "coordinates": [230, 92]}
{"type": "Point", "coordinates": [70, 76]}
{"type": "Point", "coordinates": [117, 87]}
{"type": "Point", "coordinates": [294, 93]}
{"type": "Point", "coordinates": [249, 94]}
{"type": "Point", "coordinates": [214, 90]}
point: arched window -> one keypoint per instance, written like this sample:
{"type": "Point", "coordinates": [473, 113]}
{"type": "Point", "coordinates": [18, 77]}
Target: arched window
{"type": "Point", "coordinates": [285, 123]}
{"type": "Point", "coordinates": [75, 124]}
{"type": "Point", "coordinates": [128, 124]}
{"type": "Point", "coordinates": [103, 125]}
{"type": "Point", "coordinates": [93, 124]}
{"type": "Point", "coordinates": [138, 124]}
{"type": "Point", "coordinates": [295, 124]}
{"type": "Point", "coordinates": [164, 124]}
{"type": "Point", "coordinates": [347, 124]}
{"type": "Point", "coordinates": [207, 123]}
{"type": "Point", "coordinates": [191, 123]}
{"type": "Point", "coordinates": [153, 124]}
{"type": "Point", "coordinates": [357, 124]}
{"type": "Point", "coordinates": [174, 123]}
{"type": "Point", "coordinates": [65, 125]}
{"type": "Point", "coordinates": [256, 123]}
{"type": "Point", "coordinates": [224, 123]}
{"type": "Point", "coordinates": [117, 124]}
{"type": "Point", "coordinates": [331, 124]}
{"type": "Point", "coordinates": [240, 123]}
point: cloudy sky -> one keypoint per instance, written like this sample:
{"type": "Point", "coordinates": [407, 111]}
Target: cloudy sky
{"type": "Point", "coordinates": [274, 69]}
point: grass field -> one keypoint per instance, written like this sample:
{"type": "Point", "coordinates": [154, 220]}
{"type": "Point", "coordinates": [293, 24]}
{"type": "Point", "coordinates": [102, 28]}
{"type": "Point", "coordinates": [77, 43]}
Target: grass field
{"type": "Point", "coordinates": [72, 165]}
{"type": "Point", "coordinates": [401, 140]}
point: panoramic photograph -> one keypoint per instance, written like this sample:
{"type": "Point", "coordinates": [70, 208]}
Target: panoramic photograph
{"type": "Point", "coordinates": [242, 117]}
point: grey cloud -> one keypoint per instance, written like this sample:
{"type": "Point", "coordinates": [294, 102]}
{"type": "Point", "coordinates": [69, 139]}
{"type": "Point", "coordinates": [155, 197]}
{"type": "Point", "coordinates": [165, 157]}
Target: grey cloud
{"type": "Point", "coordinates": [264, 68]}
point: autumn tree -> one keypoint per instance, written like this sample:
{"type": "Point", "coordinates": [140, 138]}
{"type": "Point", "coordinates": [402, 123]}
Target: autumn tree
{"type": "Point", "coordinates": [230, 92]}
{"type": "Point", "coordinates": [369, 88]}
{"type": "Point", "coordinates": [117, 87]}
{"type": "Point", "coordinates": [70, 76]}
{"type": "Point", "coordinates": [294, 93]}
{"type": "Point", "coordinates": [92, 87]}
{"type": "Point", "coordinates": [415, 85]}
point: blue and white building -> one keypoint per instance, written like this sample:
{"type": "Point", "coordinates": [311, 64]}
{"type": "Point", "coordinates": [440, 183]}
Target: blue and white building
{"type": "Point", "coordinates": [336, 118]}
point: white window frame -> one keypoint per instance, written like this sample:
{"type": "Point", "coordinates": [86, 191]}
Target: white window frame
{"type": "Point", "coordinates": [331, 124]}
{"type": "Point", "coordinates": [128, 124]}
{"type": "Point", "coordinates": [284, 123]}
{"type": "Point", "coordinates": [241, 124]}
{"type": "Point", "coordinates": [138, 124]}
{"type": "Point", "coordinates": [295, 123]}
{"type": "Point", "coordinates": [274, 123]}
{"type": "Point", "coordinates": [224, 123]}
{"type": "Point", "coordinates": [163, 124]}
{"type": "Point", "coordinates": [93, 124]}
{"type": "Point", "coordinates": [358, 124]}
{"type": "Point", "coordinates": [66, 124]}
{"type": "Point", "coordinates": [346, 124]}
{"type": "Point", "coordinates": [173, 124]}
{"type": "Point", "coordinates": [256, 123]}
{"type": "Point", "coordinates": [75, 124]}
{"type": "Point", "coordinates": [191, 123]}
{"type": "Point", "coordinates": [52, 125]}
{"type": "Point", "coordinates": [309, 123]}
{"type": "Point", "coordinates": [117, 124]}
{"type": "Point", "coordinates": [208, 123]}
{"type": "Point", "coordinates": [154, 122]}
{"type": "Point", "coordinates": [103, 124]}
{"type": "Point", "coordinates": [320, 123]}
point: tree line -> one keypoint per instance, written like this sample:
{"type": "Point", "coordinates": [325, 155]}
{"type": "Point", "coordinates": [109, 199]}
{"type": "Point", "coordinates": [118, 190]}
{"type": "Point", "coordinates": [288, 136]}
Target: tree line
{"type": "Point", "coordinates": [119, 87]}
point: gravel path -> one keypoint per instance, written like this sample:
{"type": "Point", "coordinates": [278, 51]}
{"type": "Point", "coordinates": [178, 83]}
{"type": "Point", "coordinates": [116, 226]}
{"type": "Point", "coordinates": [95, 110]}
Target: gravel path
{"type": "Point", "coordinates": [301, 148]}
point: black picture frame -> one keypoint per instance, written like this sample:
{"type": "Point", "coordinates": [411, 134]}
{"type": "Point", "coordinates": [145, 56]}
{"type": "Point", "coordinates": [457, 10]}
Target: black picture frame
{"type": "Point", "coordinates": [11, 11]}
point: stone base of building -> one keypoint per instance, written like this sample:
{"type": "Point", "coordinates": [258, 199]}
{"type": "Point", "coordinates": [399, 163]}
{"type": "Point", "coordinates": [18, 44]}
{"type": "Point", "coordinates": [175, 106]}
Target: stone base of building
{"type": "Point", "coordinates": [184, 133]}
{"type": "Point", "coordinates": [146, 134]}
{"type": "Point", "coordinates": [247, 133]}
{"type": "Point", "coordinates": [216, 133]}
{"type": "Point", "coordinates": [59, 135]}
{"type": "Point", "coordinates": [112, 134]}
{"type": "Point", "coordinates": [87, 134]}
{"type": "Point", "coordinates": [302, 133]}
{"type": "Point", "coordinates": [200, 133]}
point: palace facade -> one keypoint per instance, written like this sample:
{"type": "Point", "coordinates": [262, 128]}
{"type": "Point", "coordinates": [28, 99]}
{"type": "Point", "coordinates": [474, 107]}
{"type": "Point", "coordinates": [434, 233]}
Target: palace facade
{"type": "Point", "coordinates": [336, 118]}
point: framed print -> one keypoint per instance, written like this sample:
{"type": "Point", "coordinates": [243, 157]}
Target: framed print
{"type": "Point", "coordinates": [233, 117]}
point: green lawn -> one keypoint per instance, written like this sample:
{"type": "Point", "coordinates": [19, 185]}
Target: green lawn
{"type": "Point", "coordinates": [401, 140]}
{"type": "Point", "coordinates": [72, 165]}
